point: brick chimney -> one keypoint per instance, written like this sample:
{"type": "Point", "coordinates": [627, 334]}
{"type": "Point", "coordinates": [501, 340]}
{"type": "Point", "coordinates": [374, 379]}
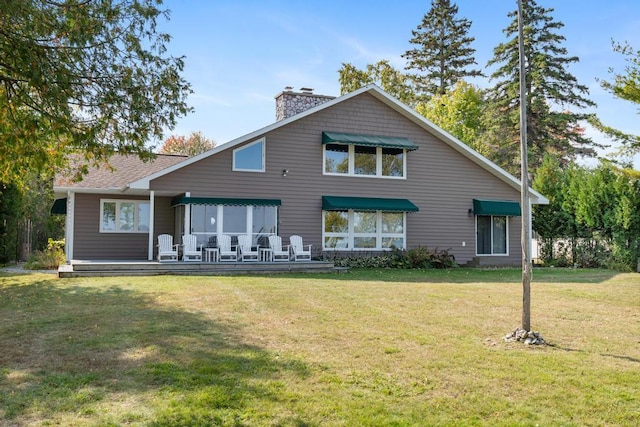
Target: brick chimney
{"type": "Point", "coordinates": [289, 103]}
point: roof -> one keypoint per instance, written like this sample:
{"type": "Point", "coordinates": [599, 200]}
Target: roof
{"type": "Point", "coordinates": [386, 99]}
{"type": "Point", "coordinates": [118, 173]}
{"type": "Point", "coordinates": [142, 182]}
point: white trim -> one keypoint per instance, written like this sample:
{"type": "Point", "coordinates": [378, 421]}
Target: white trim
{"type": "Point", "coordinates": [262, 141]}
{"type": "Point", "coordinates": [387, 99]}
{"type": "Point", "coordinates": [152, 204]}
{"type": "Point", "coordinates": [69, 226]}
{"type": "Point", "coordinates": [187, 216]}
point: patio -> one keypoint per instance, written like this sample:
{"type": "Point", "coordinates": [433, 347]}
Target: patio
{"type": "Point", "coordinates": [153, 268]}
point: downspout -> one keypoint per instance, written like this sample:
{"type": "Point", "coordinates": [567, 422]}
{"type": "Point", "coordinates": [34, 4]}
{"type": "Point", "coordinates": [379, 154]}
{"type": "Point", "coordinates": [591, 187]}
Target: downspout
{"type": "Point", "coordinates": [152, 203]}
{"type": "Point", "coordinates": [69, 225]}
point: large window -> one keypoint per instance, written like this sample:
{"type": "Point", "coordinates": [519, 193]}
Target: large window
{"type": "Point", "coordinates": [124, 216]}
{"type": "Point", "coordinates": [208, 221]}
{"type": "Point", "coordinates": [250, 158]}
{"type": "Point", "coordinates": [363, 230]}
{"type": "Point", "coordinates": [358, 160]}
{"type": "Point", "coordinates": [492, 235]}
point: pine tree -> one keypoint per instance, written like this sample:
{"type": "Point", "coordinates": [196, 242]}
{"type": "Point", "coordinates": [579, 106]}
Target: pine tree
{"type": "Point", "coordinates": [550, 91]}
{"type": "Point", "coordinates": [442, 53]}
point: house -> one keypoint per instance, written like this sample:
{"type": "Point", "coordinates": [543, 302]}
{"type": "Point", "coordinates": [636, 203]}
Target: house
{"type": "Point", "coordinates": [355, 174]}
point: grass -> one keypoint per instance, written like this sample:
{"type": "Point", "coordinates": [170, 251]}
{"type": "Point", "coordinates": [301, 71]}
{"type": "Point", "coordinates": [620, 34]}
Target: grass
{"type": "Point", "coordinates": [368, 347]}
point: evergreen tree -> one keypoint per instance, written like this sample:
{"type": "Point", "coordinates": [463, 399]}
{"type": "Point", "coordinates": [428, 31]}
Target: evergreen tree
{"type": "Point", "coordinates": [442, 54]}
{"type": "Point", "coordinates": [550, 91]}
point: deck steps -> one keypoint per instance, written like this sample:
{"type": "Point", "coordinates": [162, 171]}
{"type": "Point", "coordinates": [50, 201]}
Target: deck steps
{"type": "Point", "coordinates": [132, 268]}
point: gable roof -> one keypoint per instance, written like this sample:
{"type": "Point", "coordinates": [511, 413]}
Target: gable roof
{"type": "Point", "coordinates": [386, 99]}
{"type": "Point", "coordinates": [120, 171]}
{"type": "Point", "coordinates": [143, 182]}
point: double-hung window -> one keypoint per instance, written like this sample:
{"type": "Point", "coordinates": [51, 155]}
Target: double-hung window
{"type": "Point", "coordinates": [124, 216]}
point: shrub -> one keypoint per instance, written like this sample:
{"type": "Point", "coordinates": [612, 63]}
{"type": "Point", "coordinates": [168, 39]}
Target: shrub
{"type": "Point", "coordinates": [419, 257]}
{"type": "Point", "coordinates": [48, 259]}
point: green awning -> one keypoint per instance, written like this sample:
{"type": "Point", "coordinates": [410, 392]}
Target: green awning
{"type": "Point", "coordinates": [224, 201]}
{"type": "Point", "coordinates": [368, 140]}
{"type": "Point", "coordinates": [59, 207]}
{"type": "Point", "coordinates": [496, 207]}
{"type": "Point", "coordinates": [340, 203]}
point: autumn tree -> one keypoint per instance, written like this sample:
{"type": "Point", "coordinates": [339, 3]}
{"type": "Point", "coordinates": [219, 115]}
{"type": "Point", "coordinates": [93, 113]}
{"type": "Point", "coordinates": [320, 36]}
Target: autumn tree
{"type": "Point", "coordinates": [192, 145]}
{"type": "Point", "coordinates": [90, 77]}
{"type": "Point", "coordinates": [551, 92]}
{"type": "Point", "coordinates": [442, 52]}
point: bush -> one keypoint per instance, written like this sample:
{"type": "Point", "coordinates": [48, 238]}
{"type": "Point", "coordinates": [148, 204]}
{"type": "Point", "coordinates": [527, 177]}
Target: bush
{"type": "Point", "coordinates": [419, 257]}
{"type": "Point", "coordinates": [48, 259]}
{"type": "Point", "coordinates": [422, 257]}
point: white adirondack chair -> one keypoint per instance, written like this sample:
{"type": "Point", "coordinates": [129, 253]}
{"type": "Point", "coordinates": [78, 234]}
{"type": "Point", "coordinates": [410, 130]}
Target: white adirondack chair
{"type": "Point", "coordinates": [298, 252]}
{"type": "Point", "coordinates": [247, 252]}
{"type": "Point", "coordinates": [277, 252]}
{"type": "Point", "coordinates": [190, 249]}
{"type": "Point", "coordinates": [167, 251]}
{"type": "Point", "coordinates": [224, 249]}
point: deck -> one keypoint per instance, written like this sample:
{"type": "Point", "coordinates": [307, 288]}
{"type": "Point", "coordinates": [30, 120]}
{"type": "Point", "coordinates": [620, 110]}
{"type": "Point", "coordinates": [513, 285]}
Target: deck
{"type": "Point", "coordinates": [154, 268]}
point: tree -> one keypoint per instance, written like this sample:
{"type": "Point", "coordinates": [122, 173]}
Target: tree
{"type": "Point", "coordinates": [550, 91]}
{"type": "Point", "coordinates": [442, 54]}
{"type": "Point", "coordinates": [89, 77]}
{"type": "Point", "coordinates": [625, 86]}
{"type": "Point", "coordinates": [195, 144]}
{"type": "Point", "coordinates": [391, 80]}
{"type": "Point", "coordinates": [459, 112]}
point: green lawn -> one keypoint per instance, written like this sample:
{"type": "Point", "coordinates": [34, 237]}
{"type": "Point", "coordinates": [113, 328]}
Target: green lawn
{"type": "Point", "coordinates": [367, 347]}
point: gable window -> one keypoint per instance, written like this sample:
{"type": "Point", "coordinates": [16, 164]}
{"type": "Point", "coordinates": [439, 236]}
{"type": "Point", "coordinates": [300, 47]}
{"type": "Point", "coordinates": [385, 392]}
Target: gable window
{"type": "Point", "coordinates": [365, 155]}
{"type": "Point", "coordinates": [124, 216]}
{"type": "Point", "coordinates": [250, 158]}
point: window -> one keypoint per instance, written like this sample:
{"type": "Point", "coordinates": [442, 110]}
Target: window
{"type": "Point", "coordinates": [492, 235]}
{"type": "Point", "coordinates": [124, 216]}
{"type": "Point", "coordinates": [250, 158]}
{"type": "Point", "coordinates": [360, 160]}
{"type": "Point", "coordinates": [208, 221]}
{"type": "Point", "coordinates": [363, 230]}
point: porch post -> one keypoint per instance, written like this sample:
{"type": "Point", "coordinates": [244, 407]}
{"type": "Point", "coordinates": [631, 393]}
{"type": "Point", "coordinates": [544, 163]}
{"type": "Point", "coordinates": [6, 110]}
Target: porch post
{"type": "Point", "coordinates": [152, 203]}
{"type": "Point", "coordinates": [69, 224]}
{"type": "Point", "coordinates": [187, 215]}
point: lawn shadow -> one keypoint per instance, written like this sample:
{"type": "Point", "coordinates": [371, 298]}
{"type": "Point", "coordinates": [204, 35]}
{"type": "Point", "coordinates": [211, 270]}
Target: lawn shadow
{"type": "Point", "coordinates": [468, 275]}
{"type": "Point", "coordinates": [575, 350]}
{"type": "Point", "coordinates": [70, 349]}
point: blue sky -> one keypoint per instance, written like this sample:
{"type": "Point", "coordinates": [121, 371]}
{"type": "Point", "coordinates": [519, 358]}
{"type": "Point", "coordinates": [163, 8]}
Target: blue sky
{"type": "Point", "coordinates": [241, 54]}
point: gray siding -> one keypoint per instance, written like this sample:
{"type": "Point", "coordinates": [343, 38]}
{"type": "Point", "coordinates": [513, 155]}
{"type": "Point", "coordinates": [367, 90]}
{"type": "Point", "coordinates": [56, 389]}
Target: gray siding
{"type": "Point", "coordinates": [440, 181]}
{"type": "Point", "coordinates": [90, 244]}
